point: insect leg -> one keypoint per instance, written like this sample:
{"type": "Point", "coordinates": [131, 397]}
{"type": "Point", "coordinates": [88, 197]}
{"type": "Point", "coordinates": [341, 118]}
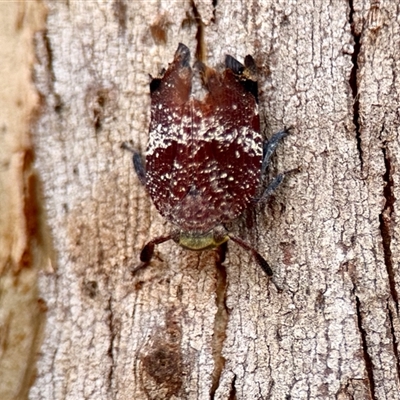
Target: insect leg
{"type": "Point", "coordinates": [269, 147]}
{"type": "Point", "coordinates": [139, 168]}
{"type": "Point", "coordinates": [271, 188]}
{"type": "Point", "coordinates": [147, 252]}
{"type": "Point", "coordinates": [274, 184]}
{"type": "Point", "coordinates": [137, 163]}
{"type": "Point", "coordinates": [260, 260]}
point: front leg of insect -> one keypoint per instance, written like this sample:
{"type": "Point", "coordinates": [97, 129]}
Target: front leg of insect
{"type": "Point", "coordinates": [137, 163]}
{"type": "Point", "coordinates": [205, 156]}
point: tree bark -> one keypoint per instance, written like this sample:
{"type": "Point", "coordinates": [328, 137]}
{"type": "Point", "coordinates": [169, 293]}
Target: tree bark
{"type": "Point", "coordinates": [25, 246]}
{"type": "Point", "coordinates": [187, 327]}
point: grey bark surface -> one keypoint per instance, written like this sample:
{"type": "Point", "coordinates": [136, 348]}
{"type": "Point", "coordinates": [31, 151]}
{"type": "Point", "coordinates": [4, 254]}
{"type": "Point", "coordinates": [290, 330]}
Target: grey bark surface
{"type": "Point", "coordinates": [186, 327]}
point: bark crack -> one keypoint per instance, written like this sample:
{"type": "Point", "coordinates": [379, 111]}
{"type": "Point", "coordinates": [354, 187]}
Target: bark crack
{"type": "Point", "coordinates": [49, 59]}
{"type": "Point", "coordinates": [45, 57]}
{"type": "Point", "coordinates": [200, 49]}
{"type": "Point", "coordinates": [110, 351]}
{"type": "Point", "coordinates": [220, 326]}
{"type": "Point", "coordinates": [385, 219]}
{"type": "Point", "coordinates": [214, 4]}
{"type": "Point", "coordinates": [394, 344]}
{"type": "Point", "coordinates": [232, 393]}
{"type": "Point", "coordinates": [367, 358]}
{"type": "Point", "coordinates": [353, 80]}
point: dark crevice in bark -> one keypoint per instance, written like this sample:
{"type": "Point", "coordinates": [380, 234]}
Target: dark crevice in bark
{"type": "Point", "coordinates": [385, 219]}
{"type": "Point", "coordinates": [46, 59]}
{"type": "Point", "coordinates": [214, 4]}
{"type": "Point", "coordinates": [200, 49]}
{"type": "Point", "coordinates": [49, 51]}
{"type": "Point", "coordinates": [353, 80]}
{"type": "Point", "coordinates": [367, 358]}
{"type": "Point", "coordinates": [110, 351]}
{"type": "Point", "coordinates": [394, 343]}
{"type": "Point", "coordinates": [232, 393]}
{"type": "Point", "coordinates": [220, 325]}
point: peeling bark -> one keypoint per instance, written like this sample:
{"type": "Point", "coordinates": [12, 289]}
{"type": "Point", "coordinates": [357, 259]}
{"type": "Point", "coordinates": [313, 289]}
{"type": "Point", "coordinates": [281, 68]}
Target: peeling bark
{"type": "Point", "coordinates": [25, 245]}
{"type": "Point", "coordinates": [188, 327]}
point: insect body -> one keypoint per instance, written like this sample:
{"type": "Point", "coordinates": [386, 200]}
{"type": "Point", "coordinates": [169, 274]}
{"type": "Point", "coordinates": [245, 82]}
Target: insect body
{"type": "Point", "coordinates": [205, 156]}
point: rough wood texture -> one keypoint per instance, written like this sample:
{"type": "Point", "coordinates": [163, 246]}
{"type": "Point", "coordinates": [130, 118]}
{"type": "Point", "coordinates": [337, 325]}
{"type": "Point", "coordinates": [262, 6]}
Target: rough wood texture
{"type": "Point", "coordinates": [23, 245]}
{"type": "Point", "coordinates": [186, 328]}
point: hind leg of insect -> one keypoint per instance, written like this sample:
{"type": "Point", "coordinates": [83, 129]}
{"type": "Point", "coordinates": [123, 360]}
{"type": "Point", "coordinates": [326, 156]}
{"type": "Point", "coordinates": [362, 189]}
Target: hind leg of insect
{"type": "Point", "coordinates": [257, 256]}
{"type": "Point", "coordinates": [137, 163]}
{"type": "Point", "coordinates": [271, 188]}
{"type": "Point", "coordinates": [274, 184]}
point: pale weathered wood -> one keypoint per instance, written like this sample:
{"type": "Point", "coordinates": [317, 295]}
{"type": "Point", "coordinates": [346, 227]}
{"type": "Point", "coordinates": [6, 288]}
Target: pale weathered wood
{"type": "Point", "coordinates": [185, 328]}
{"type": "Point", "coordinates": [24, 248]}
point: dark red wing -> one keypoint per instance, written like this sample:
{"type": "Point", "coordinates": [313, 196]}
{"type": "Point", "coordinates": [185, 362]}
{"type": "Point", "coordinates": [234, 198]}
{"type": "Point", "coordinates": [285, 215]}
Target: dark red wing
{"type": "Point", "coordinates": [204, 157]}
{"type": "Point", "coordinates": [169, 127]}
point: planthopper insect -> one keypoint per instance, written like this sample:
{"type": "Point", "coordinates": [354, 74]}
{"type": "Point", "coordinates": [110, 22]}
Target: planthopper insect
{"type": "Point", "coordinates": [205, 157]}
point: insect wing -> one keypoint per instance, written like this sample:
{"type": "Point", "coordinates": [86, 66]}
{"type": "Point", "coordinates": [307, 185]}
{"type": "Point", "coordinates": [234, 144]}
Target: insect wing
{"type": "Point", "coordinates": [204, 156]}
{"type": "Point", "coordinates": [170, 118]}
{"type": "Point", "coordinates": [227, 150]}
